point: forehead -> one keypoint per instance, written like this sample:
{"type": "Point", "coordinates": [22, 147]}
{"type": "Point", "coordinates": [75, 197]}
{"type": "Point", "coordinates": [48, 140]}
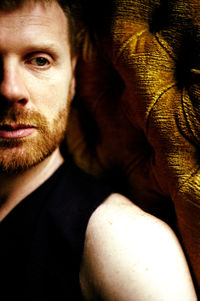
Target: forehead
{"type": "Point", "coordinates": [34, 19]}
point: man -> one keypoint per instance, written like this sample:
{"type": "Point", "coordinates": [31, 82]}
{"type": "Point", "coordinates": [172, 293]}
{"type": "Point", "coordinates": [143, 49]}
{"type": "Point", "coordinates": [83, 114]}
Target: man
{"type": "Point", "coordinates": [47, 204]}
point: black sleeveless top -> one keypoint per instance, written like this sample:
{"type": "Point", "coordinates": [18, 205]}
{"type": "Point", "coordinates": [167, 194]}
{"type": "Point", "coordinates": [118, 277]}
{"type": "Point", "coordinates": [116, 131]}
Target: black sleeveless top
{"type": "Point", "coordinates": [42, 239]}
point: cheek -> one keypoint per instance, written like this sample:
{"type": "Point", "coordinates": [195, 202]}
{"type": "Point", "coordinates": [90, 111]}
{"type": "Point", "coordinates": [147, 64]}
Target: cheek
{"type": "Point", "coordinates": [52, 96]}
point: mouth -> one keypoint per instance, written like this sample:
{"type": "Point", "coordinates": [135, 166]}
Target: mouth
{"type": "Point", "coordinates": [14, 131]}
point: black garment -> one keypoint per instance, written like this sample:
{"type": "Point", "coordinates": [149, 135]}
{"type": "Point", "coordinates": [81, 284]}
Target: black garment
{"type": "Point", "coordinates": [42, 239]}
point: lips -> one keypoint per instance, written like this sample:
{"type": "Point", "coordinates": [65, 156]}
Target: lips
{"type": "Point", "coordinates": [13, 131]}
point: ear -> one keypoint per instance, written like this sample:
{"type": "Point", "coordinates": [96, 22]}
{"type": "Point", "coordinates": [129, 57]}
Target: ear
{"type": "Point", "coordinates": [73, 80]}
{"type": "Point", "coordinates": [73, 62]}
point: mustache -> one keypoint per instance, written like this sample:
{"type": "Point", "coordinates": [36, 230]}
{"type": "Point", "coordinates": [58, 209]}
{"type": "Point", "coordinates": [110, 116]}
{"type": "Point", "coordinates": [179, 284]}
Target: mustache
{"type": "Point", "coordinates": [22, 116]}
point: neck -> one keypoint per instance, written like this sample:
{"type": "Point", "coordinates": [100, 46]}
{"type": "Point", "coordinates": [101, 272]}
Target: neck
{"type": "Point", "coordinates": [14, 188]}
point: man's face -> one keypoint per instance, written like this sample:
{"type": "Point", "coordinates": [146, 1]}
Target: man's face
{"type": "Point", "coordinates": [36, 83]}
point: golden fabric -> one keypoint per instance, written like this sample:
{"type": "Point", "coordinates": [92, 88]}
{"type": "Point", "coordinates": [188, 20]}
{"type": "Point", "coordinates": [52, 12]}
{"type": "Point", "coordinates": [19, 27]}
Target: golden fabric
{"type": "Point", "coordinates": [138, 106]}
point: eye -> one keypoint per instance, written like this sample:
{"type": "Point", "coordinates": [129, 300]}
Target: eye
{"type": "Point", "coordinates": [39, 61]}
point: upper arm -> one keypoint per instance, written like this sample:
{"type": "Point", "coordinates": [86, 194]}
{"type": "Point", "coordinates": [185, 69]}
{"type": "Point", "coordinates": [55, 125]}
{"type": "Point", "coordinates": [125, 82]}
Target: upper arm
{"type": "Point", "coordinates": [131, 255]}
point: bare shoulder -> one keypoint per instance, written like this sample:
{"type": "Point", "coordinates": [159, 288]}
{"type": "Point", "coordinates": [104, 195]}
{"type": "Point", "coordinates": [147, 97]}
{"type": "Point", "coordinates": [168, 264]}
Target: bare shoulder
{"type": "Point", "coordinates": [129, 254]}
{"type": "Point", "coordinates": [123, 207]}
{"type": "Point", "coordinates": [116, 214]}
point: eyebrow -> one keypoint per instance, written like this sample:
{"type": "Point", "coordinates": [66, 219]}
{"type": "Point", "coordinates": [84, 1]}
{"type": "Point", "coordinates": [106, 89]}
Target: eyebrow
{"type": "Point", "coordinates": [46, 47]}
{"type": "Point", "coordinates": [50, 47]}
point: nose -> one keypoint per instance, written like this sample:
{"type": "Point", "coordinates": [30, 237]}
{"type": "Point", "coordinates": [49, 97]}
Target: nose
{"type": "Point", "coordinates": [12, 86]}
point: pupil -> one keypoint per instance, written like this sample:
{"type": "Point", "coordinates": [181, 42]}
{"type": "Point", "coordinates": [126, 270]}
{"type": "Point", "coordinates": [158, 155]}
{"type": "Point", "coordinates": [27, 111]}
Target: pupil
{"type": "Point", "coordinates": [41, 61]}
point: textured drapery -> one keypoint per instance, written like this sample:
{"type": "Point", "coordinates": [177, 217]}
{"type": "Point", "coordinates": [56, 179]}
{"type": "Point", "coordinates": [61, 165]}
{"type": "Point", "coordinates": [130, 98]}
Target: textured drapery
{"type": "Point", "coordinates": [138, 105]}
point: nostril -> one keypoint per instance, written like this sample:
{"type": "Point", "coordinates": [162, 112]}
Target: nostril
{"type": "Point", "coordinates": [22, 101]}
